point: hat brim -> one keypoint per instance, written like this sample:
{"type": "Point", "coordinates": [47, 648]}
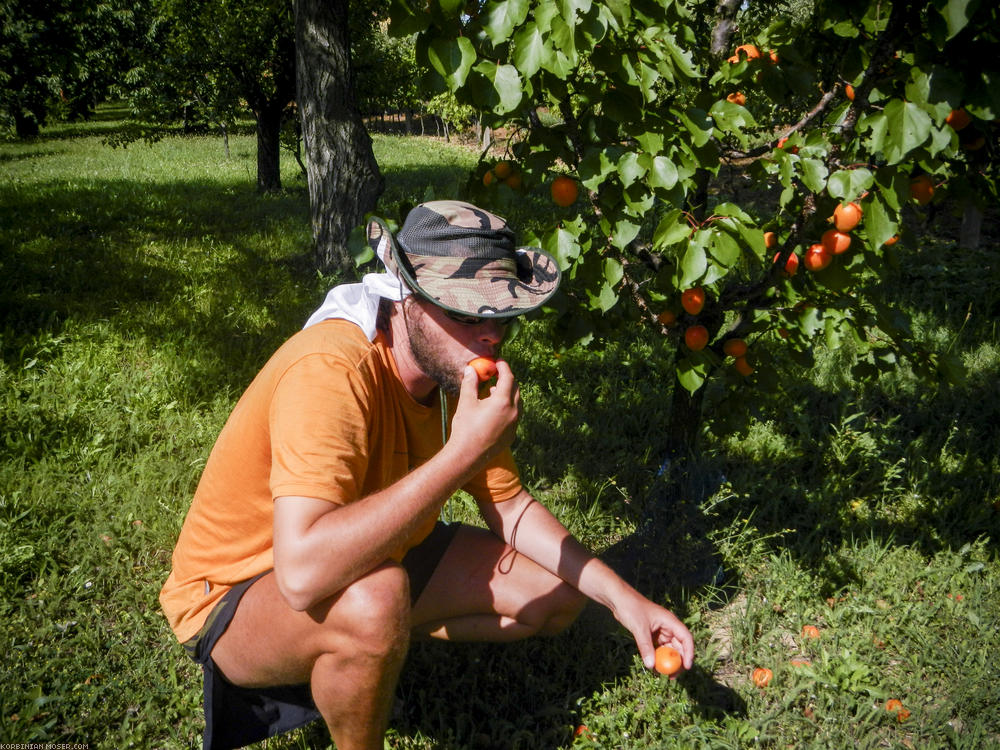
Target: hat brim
{"type": "Point", "coordinates": [470, 286]}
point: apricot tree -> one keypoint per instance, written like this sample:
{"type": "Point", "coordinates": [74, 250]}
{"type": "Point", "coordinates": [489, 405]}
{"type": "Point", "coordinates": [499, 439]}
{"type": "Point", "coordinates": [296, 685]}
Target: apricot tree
{"type": "Point", "coordinates": [637, 103]}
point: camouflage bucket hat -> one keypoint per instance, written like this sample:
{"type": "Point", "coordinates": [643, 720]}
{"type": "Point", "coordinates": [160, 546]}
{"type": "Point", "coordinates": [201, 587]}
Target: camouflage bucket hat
{"type": "Point", "coordinates": [464, 260]}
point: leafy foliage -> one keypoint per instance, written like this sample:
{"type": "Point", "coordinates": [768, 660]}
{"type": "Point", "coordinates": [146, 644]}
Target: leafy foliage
{"type": "Point", "coordinates": [651, 123]}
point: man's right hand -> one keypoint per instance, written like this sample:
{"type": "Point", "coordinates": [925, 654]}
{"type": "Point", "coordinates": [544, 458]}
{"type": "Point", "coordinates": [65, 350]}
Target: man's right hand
{"type": "Point", "coordinates": [482, 427]}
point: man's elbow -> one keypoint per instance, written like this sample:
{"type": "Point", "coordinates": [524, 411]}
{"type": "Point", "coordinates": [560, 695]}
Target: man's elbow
{"type": "Point", "coordinates": [296, 589]}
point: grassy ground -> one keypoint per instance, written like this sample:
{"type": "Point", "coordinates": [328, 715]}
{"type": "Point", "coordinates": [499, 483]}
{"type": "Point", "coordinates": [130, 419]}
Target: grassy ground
{"type": "Point", "coordinates": [140, 291]}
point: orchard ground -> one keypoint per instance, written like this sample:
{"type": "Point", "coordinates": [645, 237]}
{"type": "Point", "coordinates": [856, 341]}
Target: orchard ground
{"type": "Point", "coordinates": [142, 290]}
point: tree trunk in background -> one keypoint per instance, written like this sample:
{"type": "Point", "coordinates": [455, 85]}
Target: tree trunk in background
{"type": "Point", "coordinates": [269, 149]}
{"type": "Point", "coordinates": [972, 224]}
{"type": "Point", "coordinates": [344, 178]}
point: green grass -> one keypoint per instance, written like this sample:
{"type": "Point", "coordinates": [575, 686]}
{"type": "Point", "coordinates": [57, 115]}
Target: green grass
{"type": "Point", "coordinates": [140, 291]}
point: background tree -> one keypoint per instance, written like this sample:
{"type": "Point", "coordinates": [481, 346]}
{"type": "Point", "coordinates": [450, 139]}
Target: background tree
{"type": "Point", "coordinates": [696, 190]}
{"type": "Point", "coordinates": [60, 57]}
{"type": "Point", "coordinates": [210, 59]}
{"type": "Point", "coordinates": [344, 178]}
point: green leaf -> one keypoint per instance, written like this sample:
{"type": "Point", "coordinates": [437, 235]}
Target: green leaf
{"type": "Point", "coordinates": [406, 19]}
{"type": "Point", "coordinates": [663, 174]}
{"type": "Point", "coordinates": [451, 8]}
{"type": "Point", "coordinates": [814, 174]}
{"type": "Point", "coordinates": [879, 224]}
{"type": "Point", "coordinates": [908, 127]}
{"type": "Point", "coordinates": [596, 165]}
{"type": "Point", "coordinates": [694, 262]}
{"type": "Point", "coordinates": [608, 297]}
{"type": "Point", "coordinates": [506, 93]}
{"type": "Point", "coordinates": [613, 271]}
{"type": "Point", "coordinates": [673, 228]}
{"type": "Point", "coordinates": [629, 168]}
{"type": "Point", "coordinates": [529, 50]}
{"type": "Point", "coordinates": [848, 184]}
{"type": "Point", "coordinates": [563, 244]}
{"type": "Point", "coordinates": [625, 231]}
{"type": "Point", "coordinates": [503, 17]}
{"type": "Point", "coordinates": [957, 14]}
{"type": "Point", "coordinates": [452, 59]}
{"type": "Point", "coordinates": [699, 125]}
{"type": "Point", "coordinates": [691, 374]}
{"type": "Point", "coordinates": [725, 249]}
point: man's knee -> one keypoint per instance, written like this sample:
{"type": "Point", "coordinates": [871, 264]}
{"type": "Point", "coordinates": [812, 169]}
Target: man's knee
{"type": "Point", "coordinates": [374, 612]}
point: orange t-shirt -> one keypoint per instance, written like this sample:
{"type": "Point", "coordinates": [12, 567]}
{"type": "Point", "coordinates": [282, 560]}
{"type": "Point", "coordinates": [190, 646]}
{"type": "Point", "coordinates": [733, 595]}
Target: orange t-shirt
{"type": "Point", "coordinates": [327, 417]}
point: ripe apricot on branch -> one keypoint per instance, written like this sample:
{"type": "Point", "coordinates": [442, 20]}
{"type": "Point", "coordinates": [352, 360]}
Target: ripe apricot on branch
{"type": "Point", "coordinates": [696, 337]}
{"type": "Point", "coordinates": [668, 660]}
{"type": "Point", "coordinates": [564, 191]}
{"type": "Point", "coordinates": [737, 97]}
{"type": "Point", "coordinates": [849, 92]}
{"type": "Point", "coordinates": [835, 242]}
{"type": "Point", "coordinates": [485, 368]}
{"type": "Point", "coordinates": [488, 178]}
{"type": "Point", "coordinates": [791, 265]}
{"type": "Point", "coordinates": [693, 300]}
{"type": "Point", "coordinates": [922, 189]}
{"type": "Point", "coordinates": [817, 258]}
{"type": "Point", "coordinates": [735, 347]}
{"type": "Point", "coordinates": [667, 317]}
{"type": "Point", "coordinates": [743, 367]}
{"type": "Point", "coordinates": [751, 52]}
{"type": "Point", "coordinates": [770, 240]}
{"type": "Point", "coordinates": [781, 144]}
{"type": "Point", "coordinates": [958, 119]}
{"type": "Point", "coordinates": [847, 216]}
{"type": "Point", "coordinates": [503, 170]}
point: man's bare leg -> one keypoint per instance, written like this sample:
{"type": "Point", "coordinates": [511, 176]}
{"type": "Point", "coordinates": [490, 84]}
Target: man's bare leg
{"type": "Point", "coordinates": [349, 648]}
{"type": "Point", "coordinates": [482, 590]}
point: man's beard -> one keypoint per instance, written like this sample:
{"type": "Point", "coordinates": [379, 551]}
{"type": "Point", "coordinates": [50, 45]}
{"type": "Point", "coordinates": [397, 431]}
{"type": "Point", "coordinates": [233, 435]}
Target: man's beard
{"type": "Point", "coordinates": [427, 355]}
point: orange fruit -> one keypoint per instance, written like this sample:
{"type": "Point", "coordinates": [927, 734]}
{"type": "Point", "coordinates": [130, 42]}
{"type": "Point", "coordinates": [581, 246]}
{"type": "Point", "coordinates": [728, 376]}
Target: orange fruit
{"type": "Point", "coordinates": [974, 143]}
{"type": "Point", "coordinates": [791, 265]}
{"type": "Point", "coordinates": [761, 676]}
{"type": "Point", "coordinates": [668, 660]}
{"type": "Point", "coordinates": [737, 97]}
{"type": "Point", "coordinates": [749, 50]}
{"type": "Point", "coordinates": [835, 242]}
{"type": "Point", "coordinates": [485, 368]}
{"type": "Point", "coordinates": [488, 178]}
{"type": "Point", "coordinates": [770, 240]}
{"type": "Point", "coordinates": [922, 189]}
{"type": "Point", "coordinates": [781, 144]}
{"type": "Point", "coordinates": [667, 317]}
{"type": "Point", "coordinates": [503, 170]}
{"type": "Point", "coordinates": [847, 216]}
{"type": "Point", "coordinates": [891, 241]}
{"type": "Point", "coordinates": [810, 631]}
{"type": "Point", "coordinates": [564, 191]}
{"type": "Point", "coordinates": [773, 57]}
{"type": "Point", "coordinates": [800, 663]}
{"type": "Point", "coordinates": [817, 258]}
{"type": "Point", "coordinates": [849, 91]}
{"type": "Point", "coordinates": [693, 300]}
{"type": "Point", "coordinates": [895, 706]}
{"type": "Point", "coordinates": [513, 181]}
{"type": "Point", "coordinates": [696, 337]}
{"type": "Point", "coordinates": [743, 367]}
{"type": "Point", "coordinates": [735, 347]}
{"type": "Point", "coordinates": [958, 119]}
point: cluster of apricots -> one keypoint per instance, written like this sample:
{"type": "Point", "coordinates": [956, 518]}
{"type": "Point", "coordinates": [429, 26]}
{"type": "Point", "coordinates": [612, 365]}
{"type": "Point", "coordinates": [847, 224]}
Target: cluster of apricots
{"type": "Point", "coordinates": [503, 172]}
{"type": "Point", "coordinates": [696, 335]}
{"type": "Point", "coordinates": [834, 241]}
{"type": "Point", "coordinates": [750, 53]}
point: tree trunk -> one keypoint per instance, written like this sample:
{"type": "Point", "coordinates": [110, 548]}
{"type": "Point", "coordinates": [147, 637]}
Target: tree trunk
{"type": "Point", "coordinates": [685, 422]}
{"type": "Point", "coordinates": [344, 178]}
{"type": "Point", "coordinates": [972, 224]}
{"type": "Point", "coordinates": [269, 150]}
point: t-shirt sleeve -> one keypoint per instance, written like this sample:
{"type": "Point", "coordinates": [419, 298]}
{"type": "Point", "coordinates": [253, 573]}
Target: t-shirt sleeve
{"type": "Point", "coordinates": [319, 430]}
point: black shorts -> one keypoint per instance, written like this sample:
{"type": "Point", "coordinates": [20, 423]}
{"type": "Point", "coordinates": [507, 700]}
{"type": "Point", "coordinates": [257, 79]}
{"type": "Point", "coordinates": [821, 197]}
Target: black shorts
{"type": "Point", "coordinates": [237, 716]}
